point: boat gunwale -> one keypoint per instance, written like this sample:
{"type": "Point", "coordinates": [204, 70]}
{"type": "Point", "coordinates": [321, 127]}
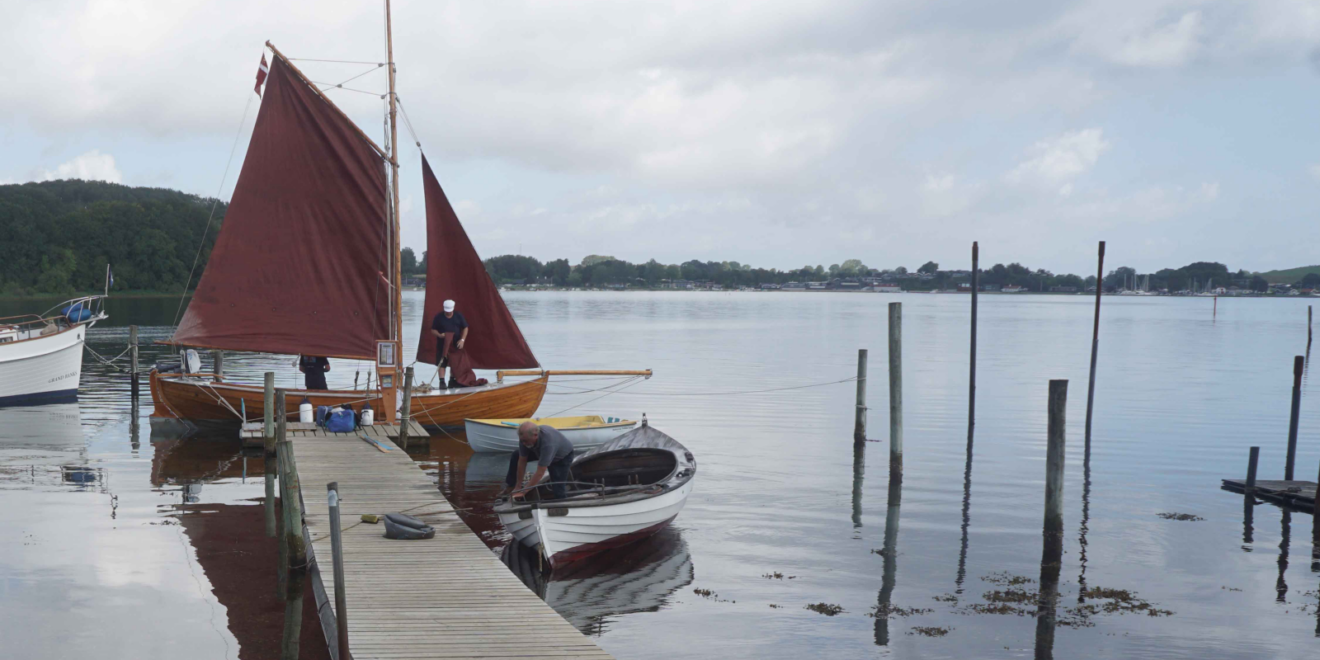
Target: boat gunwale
{"type": "Point", "coordinates": [674, 481]}
{"type": "Point", "coordinates": [483, 422]}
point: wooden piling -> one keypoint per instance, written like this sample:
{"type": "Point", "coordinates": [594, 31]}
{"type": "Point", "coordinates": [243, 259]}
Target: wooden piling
{"type": "Point", "coordinates": [133, 361]}
{"type": "Point", "coordinates": [971, 379]}
{"type": "Point", "coordinates": [1298, 364]}
{"type": "Point", "coordinates": [1315, 523]}
{"type": "Point", "coordinates": [1051, 559]}
{"type": "Point", "coordinates": [279, 433]}
{"type": "Point", "coordinates": [295, 548]}
{"type": "Point", "coordinates": [1054, 457]}
{"type": "Point", "coordinates": [859, 423]}
{"type": "Point", "coordinates": [1253, 459]}
{"type": "Point", "coordinates": [268, 403]}
{"type": "Point", "coordinates": [1095, 344]}
{"type": "Point", "coordinates": [218, 364]}
{"type": "Point", "coordinates": [406, 408]}
{"type": "Point", "coordinates": [337, 557]}
{"type": "Point", "coordinates": [896, 392]}
{"type": "Point", "coordinates": [1308, 325]}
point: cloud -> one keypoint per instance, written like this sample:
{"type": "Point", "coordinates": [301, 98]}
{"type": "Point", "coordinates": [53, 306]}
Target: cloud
{"type": "Point", "coordinates": [1056, 161]}
{"type": "Point", "coordinates": [1170, 44]}
{"type": "Point", "coordinates": [90, 166]}
{"type": "Point", "coordinates": [1315, 171]}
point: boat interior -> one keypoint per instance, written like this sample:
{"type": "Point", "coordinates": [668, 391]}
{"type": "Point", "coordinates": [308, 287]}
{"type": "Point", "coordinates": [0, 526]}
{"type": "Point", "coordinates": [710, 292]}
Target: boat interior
{"type": "Point", "coordinates": [614, 473]}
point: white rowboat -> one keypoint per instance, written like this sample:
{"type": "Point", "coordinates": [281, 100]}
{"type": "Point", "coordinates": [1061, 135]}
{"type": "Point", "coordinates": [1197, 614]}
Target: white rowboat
{"type": "Point", "coordinates": [585, 431]}
{"type": "Point", "coordinates": [623, 491]}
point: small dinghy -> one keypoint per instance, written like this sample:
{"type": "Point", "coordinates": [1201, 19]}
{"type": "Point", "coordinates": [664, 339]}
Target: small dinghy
{"type": "Point", "coordinates": [622, 491]}
{"type": "Point", "coordinates": [585, 431]}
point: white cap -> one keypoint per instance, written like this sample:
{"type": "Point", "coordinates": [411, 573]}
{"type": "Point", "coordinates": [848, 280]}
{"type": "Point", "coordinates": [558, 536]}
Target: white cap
{"type": "Point", "coordinates": [449, 305]}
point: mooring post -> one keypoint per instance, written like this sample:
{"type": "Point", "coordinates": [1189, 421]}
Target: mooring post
{"type": "Point", "coordinates": [1308, 325]}
{"type": "Point", "coordinates": [1253, 459]}
{"type": "Point", "coordinates": [971, 379]}
{"type": "Point", "coordinates": [337, 554]}
{"type": "Point", "coordinates": [896, 392]}
{"type": "Point", "coordinates": [406, 407]}
{"type": "Point", "coordinates": [1315, 523]}
{"type": "Point", "coordinates": [295, 549]}
{"type": "Point", "coordinates": [1051, 558]}
{"type": "Point", "coordinates": [1298, 364]}
{"type": "Point", "coordinates": [133, 361]}
{"type": "Point", "coordinates": [268, 404]}
{"type": "Point", "coordinates": [218, 364]}
{"type": "Point", "coordinates": [278, 434]}
{"type": "Point", "coordinates": [859, 423]}
{"type": "Point", "coordinates": [1095, 344]}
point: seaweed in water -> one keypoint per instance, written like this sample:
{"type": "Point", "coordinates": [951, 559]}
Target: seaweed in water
{"type": "Point", "coordinates": [827, 609]}
{"type": "Point", "coordinates": [776, 607]}
{"type": "Point", "coordinates": [929, 631]}
{"type": "Point", "coordinates": [773, 576]}
{"type": "Point", "coordinates": [1180, 516]}
{"type": "Point", "coordinates": [887, 610]}
{"type": "Point", "coordinates": [946, 598]}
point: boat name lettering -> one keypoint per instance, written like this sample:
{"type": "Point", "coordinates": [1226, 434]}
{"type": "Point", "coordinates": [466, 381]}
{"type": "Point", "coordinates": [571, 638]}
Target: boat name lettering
{"type": "Point", "coordinates": [557, 511]}
{"type": "Point", "coordinates": [71, 374]}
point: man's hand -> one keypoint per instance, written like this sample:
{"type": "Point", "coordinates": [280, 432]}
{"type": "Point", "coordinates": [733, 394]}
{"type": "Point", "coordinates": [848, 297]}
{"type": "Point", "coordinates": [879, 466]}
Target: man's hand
{"type": "Point", "coordinates": [519, 494]}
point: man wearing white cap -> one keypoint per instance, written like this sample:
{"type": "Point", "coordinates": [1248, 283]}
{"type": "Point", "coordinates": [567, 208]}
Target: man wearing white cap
{"type": "Point", "coordinates": [451, 323]}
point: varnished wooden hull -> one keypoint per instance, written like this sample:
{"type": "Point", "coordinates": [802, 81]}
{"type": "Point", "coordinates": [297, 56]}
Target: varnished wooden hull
{"type": "Point", "coordinates": [201, 399]}
{"type": "Point", "coordinates": [494, 400]}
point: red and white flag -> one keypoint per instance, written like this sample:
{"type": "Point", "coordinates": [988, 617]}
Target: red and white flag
{"type": "Point", "coordinates": [261, 74]}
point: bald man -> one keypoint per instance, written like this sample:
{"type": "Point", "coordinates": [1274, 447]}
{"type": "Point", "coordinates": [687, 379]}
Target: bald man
{"type": "Point", "coordinates": [553, 454]}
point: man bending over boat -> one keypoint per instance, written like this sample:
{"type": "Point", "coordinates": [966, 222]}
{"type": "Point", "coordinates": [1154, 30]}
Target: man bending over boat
{"type": "Point", "coordinates": [452, 323]}
{"type": "Point", "coordinates": [553, 453]}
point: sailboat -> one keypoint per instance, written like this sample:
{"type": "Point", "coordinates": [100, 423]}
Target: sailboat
{"type": "Point", "coordinates": [307, 263]}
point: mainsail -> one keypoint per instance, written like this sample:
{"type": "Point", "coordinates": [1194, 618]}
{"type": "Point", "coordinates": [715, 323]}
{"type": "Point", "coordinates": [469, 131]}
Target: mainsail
{"type": "Point", "coordinates": [301, 262]}
{"type": "Point", "coordinates": [455, 272]}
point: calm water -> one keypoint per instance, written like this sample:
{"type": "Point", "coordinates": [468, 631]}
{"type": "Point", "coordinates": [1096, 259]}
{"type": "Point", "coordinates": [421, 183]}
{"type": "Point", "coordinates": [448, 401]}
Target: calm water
{"type": "Point", "coordinates": [118, 545]}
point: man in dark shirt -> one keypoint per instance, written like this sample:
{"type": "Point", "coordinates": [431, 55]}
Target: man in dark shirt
{"type": "Point", "coordinates": [313, 369]}
{"type": "Point", "coordinates": [553, 454]}
{"type": "Point", "coordinates": [452, 322]}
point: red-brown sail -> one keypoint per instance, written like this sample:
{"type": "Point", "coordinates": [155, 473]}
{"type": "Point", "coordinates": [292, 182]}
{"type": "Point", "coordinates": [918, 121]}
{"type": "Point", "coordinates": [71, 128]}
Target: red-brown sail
{"type": "Point", "coordinates": [455, 272]}
{"type": "Point", "coordinates": [300, 263]}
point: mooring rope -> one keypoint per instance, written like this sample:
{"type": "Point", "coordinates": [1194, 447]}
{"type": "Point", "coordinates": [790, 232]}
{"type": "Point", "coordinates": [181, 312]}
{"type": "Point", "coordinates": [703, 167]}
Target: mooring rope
{"type": "Point", "coordinates": [103, 360]}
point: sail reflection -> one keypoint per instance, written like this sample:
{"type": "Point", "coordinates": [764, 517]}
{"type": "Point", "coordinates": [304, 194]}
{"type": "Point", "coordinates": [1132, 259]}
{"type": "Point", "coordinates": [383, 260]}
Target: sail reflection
{"type": "Point", "coordinates": [640, 577]}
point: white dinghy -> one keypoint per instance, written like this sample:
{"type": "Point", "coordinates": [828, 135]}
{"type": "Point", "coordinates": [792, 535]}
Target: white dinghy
{"type": "Point", "coordinates": [625, 490]}
{"type": "Point", "coordinates": [585, 431]}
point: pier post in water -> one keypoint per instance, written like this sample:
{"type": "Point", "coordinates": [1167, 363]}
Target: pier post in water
{"type": "Point", "coordinates": [895, 392]}
{"type": "Point", "coordinates": [268, 453]}
{"type": "Point", "coordinates": [1298, 364]}
{"type": "Point", "coordinates": [1052, 543]}
{"type": "Point", "coordinates": [971, 379]}
{"type": "Point", "coordinates": [337, 557]}
{"type": "Point", "coordinates": [133, 361]}
{"type": "Point", "coordinates": [406, 407]}
{"type": "Point", "coordinates": [859, 424]}
{"type": "Point", "coordinates": [294, 547]}
{"type": "Point", "coordinates": [1095, 343]}
{"type": "Point", "coordinates": [218, 365]}
{"type": "Point", "coordinates": [1253, 460]}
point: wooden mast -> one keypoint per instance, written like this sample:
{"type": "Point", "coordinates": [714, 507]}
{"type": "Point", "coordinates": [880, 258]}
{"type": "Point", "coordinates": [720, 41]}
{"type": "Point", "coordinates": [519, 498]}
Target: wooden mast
{"type": "Point", "coordinates": [394, 162]}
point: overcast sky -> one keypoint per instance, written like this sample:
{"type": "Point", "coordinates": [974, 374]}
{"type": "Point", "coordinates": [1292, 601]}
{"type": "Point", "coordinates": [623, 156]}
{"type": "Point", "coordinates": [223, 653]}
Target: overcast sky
{"type": "Point", "coordinates": [767, 132]}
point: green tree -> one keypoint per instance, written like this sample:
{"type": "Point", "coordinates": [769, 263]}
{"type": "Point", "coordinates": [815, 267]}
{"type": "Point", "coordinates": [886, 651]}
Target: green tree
{"type": "Point", "coordinates": [407, 262]}
{"type": "Point", "coordinates": [930, 267]}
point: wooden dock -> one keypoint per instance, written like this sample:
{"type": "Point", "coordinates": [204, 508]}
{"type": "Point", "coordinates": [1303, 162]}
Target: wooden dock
{"type": "Point", "coordinates": [446, 597]}
{"type": "Point", "coordinates": [251, 432]}
{"type": "Point", "coordinates": [1299, 495]}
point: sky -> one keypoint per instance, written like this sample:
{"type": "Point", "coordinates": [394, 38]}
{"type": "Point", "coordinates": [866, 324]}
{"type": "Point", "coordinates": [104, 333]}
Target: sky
{"type": "Point", "coordinates": [772, 133]}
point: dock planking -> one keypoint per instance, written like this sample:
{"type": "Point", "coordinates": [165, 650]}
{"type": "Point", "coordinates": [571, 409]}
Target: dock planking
{"type": "Point", "coordinates": [251, 432]}
{"type": "Point", "coordinates": [1299, 495]}
{"type": "Point", "coordinates": [446, 597]}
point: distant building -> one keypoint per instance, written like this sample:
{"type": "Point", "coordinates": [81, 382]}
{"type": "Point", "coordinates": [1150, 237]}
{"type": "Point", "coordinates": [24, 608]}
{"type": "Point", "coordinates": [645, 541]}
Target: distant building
{"type": "Point", "coordinates": [769, 286]}
{"type": "Point", "coordinates": [817, 286]}
{"type": "Point", "coordinates": [989, 287]}
{"type": "Point", "coordinates": [886, 288]}
{"type": "Point", "coordinates": [1063, 289]}
{"type": "Point", "coordinates": [794, 286]}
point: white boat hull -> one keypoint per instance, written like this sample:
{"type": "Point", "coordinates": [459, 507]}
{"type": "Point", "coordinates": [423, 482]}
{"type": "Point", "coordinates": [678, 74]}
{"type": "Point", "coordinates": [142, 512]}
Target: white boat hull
{"type": "Point", "coordinates": [42, 369]}
{"type": "Point", "coordinates": [502, 438]}
{"type": "Point", "coordinates": [582, 531]}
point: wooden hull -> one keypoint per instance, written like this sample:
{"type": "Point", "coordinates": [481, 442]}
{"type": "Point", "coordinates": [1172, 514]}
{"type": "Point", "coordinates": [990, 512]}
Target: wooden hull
{"type": "Point", "coordinates": [198, 398]}
{"type": "Point", "coordinates": [450, 408]}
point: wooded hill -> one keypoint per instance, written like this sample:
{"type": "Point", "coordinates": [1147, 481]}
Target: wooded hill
{"type": "Point", "coordinates": [56, 237]}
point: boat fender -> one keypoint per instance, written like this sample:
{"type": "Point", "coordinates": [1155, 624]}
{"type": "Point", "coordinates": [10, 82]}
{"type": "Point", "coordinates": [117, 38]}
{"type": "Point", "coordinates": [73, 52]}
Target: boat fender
{"type": "Point", "coordinates": [305, 414]}
{"type": "Point", "coordinates": [399, 526]}
{"type": "Point", "coordinates": [191, 363]}
{"type": "Point", "coordinates": [368, 416]}
{"type": "Point", "coordinates": [76, 313]}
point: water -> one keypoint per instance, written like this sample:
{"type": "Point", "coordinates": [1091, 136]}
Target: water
{"type": "Point", "coordinates": [95, 561]}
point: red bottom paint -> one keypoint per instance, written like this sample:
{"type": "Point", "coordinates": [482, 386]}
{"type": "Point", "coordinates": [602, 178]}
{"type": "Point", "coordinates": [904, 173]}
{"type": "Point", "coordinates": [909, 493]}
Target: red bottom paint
{"type": "Point", "coordinates": [580, 552]}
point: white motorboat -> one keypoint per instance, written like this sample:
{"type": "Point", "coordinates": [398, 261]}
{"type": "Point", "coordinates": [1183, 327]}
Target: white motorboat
{"type": "Point", "coordinates": [584, 431]}
{"type": "Point", "coordinates": [624, 490]}
{"type": "Point", "coordinates": [41, 354]}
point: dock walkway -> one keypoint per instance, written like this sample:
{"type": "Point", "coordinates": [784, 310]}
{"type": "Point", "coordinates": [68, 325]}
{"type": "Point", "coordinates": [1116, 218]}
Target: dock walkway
{"type": "Point", "coordinates": [1298, 495]}
{"type": "Point", "coordinates": [446, 597]}
{"type": "Point", "coordinates": [252, 432]}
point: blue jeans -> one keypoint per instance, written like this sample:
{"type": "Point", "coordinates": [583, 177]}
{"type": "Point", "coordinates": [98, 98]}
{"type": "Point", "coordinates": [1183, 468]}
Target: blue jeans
{"type": "Point", "coordinates": [557, 474]}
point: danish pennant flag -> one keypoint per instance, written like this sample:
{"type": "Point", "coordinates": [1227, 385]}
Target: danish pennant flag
{"type": "Point", "coordinates": [261, 74]}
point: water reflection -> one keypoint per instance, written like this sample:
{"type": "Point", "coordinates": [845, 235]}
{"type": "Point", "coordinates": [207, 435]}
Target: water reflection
{"type": "Point", "coordinates": [966, 518]}
{"type": "Point", "coordinates": [890, 555]}
{"type": "Point", "coordinates": [1281, 585]}
{"type": "Point", "coordinates": [859, 475]}
{"type": "Point", "coordinates": [640, 577]}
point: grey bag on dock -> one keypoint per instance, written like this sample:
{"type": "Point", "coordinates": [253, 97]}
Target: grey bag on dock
{"type": "Point", "coordinates": [399, 526]}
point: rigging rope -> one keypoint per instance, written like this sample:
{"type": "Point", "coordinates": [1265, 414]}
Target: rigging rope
{"type": "Point", "coordinates": [308, 59]}
{"type": "Point", "coordinates": [207, 230]}
{"type": "Point", "coordinates": [408, 122]}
